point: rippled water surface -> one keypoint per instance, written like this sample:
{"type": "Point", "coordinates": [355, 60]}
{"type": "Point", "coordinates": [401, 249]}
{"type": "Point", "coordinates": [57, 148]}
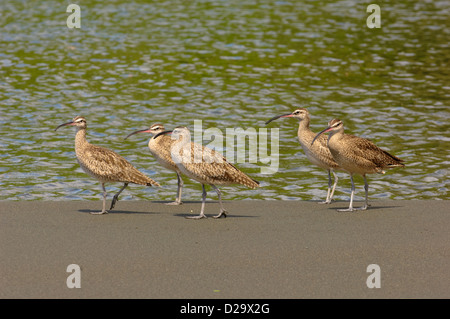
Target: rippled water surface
{"type": "Point", "coordinates": [230, 64]}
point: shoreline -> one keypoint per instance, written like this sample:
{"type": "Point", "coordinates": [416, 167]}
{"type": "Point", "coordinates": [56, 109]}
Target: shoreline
{"type": "Point", "coordinates": [263, 249]}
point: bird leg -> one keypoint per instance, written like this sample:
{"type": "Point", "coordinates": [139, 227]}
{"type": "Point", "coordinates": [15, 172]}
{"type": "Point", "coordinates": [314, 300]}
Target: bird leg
{"type": "Point", "coordinates": [366, 188]}
{"type": "Point", "coordinates": [350, 207]}
{"type": "Point", "coordinates": [330, 191]}
{"type": "Point", "coordinates": [202, 215]}
{"type": "Point", "coordinates": [104, 211]}
{"type": "Point", "coordinates": [334, 185]}
{"type": "Point", "coordinates": [179, 191]}
{"type": "Point", "coordinates": [116, 197]}
{"type": "Point", "coordinates": [223, 212]}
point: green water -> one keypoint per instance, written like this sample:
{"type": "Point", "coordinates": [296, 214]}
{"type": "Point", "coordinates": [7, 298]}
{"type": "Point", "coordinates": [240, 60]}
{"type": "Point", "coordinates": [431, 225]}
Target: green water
{"type": "Point", "coordinates": [230, 64]}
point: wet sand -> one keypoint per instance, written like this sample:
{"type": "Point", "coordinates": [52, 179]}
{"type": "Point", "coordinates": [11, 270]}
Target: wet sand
{"type": "Point", "coordinates": [263, 249]}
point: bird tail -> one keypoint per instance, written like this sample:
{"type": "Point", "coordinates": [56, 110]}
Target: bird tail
{"type": "Point", "coordinates": [396, 165]}
{"type": "Point", "coordinates": [393, 161]}
{"type": "Point", "coordinates": [256, 182]}
{"type": "Point", "coordinates": [247, 181]}
{"type": "Point", "coordinates": [240, 177]}
{"type": "Point", "coordinates": [141, 179]}
{"type": "Point", "coordinates": [152, 183]}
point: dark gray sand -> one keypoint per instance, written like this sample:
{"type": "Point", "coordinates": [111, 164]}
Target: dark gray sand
{"type": "Point", "coordinates": [264, 249]}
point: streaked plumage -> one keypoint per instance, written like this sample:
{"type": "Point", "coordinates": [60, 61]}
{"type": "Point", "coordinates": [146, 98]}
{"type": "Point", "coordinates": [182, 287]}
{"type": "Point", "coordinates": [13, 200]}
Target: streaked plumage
{"type": "Point", "coordinates": [103, 164]}
{"type": "Point", "coordinates": [357, 155]}
{"type": "Point", "coordinates": [317, 153]}
{"type": "Point", "coordinates": [160, 149]}
{"type": "Point", "coordinates": [205, 166]}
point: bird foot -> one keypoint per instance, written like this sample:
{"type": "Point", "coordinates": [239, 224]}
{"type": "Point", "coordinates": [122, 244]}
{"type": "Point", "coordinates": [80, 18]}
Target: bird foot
{"type": "Point", "coordinates": [350, 209]}
{"type": "Point", "coordinates": [222, 213]}
{"type": "Point", "coordinates": [325, 202]}
{"type": "Point", "coordinates": [196, 217]}
{"type": "Point", "coordinates": [99, 213]}
{"type": "Point", "coordinates": [175, 203]}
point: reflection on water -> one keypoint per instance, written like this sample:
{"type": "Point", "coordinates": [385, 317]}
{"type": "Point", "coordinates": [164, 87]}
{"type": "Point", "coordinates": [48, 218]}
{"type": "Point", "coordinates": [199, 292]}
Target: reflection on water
{"type": "Point", "coordinates": [230, 64]}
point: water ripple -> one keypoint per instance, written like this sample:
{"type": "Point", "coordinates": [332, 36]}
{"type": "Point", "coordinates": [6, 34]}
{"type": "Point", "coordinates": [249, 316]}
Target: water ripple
{"type": "Point", "coordinates": [231, 64]}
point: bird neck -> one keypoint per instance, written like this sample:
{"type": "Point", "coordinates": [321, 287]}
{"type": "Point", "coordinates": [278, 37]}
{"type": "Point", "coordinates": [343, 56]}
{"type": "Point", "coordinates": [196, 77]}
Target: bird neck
{"type": "Point", "coordinates": [304, 132]}
{"type": "Point", "coordinates": [335, 135]}
{"type": "Point", "coordinates": [303, 124]}
{"type": "Point", "coordinates": [184, 139]}
{"type": "Point", "coordinates": [154, 144]}
{"type": "Point", "coordinates": [180, 151]}
{"type": "Point", "coordinates": [80, 138]}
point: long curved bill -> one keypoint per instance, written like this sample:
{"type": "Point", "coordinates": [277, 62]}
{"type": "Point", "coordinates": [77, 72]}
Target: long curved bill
{"type": "Point", "coordinates": [323, 131]}
{"type": "Point", "coordinates": [278, 116]}
{"type": "Point", "coordinates": [147, 130]}
{"type": "Point", "coordinates": [162, 133]}
{"type": "Point", "coordinates": [65, 124]}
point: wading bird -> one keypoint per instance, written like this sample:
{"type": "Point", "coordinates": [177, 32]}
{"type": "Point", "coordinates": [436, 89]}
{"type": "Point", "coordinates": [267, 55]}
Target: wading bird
{"type": "Point", "coordinates": [103, 164]}
{"type": "Point", "coordinates": [160, 149]}
{"type": "Point", "coordinates": [317, 153]}
{"type": "Point", "coordinates": [357, 155]}
{"type": "Point", "coordinates": [204, 165]}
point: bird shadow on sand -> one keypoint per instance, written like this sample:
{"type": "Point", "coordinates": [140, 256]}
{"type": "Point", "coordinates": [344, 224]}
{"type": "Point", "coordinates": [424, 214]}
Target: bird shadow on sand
{"type": "Point", "coordinates": [196, 211]}
{"type": "Point", "coordinates": [210, 216]}
{"type": "Point", "coordinates": [184, 202]}
{"type": "Point", "coordinates": [357, 205]}
{"type": "Point", "coordinates": [111, 212]}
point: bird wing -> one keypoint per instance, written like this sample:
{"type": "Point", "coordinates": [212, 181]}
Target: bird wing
{"type": "Point", "coordinates": [364, 148]}
{"type": "Point", "coordinates": [107, 163]}
{"type": "Point", "coordinates": [212, 166]}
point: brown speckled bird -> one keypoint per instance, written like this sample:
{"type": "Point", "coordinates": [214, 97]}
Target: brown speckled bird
{"type": "Point", "coordinates": [318, 153]}
{"type": "Point", "coordinates": [103, 164]}
{"type": "Point", "coordinates": [357, 155]}
{"type": "Point", "coordinates": [205, 166]}
{"type": "Point", "coordinates": [160, 149]}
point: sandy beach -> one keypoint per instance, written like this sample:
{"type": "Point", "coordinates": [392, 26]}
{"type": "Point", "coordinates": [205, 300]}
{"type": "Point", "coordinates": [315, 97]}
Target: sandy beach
{"type": "Point", "coordinates": [263, 249]}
